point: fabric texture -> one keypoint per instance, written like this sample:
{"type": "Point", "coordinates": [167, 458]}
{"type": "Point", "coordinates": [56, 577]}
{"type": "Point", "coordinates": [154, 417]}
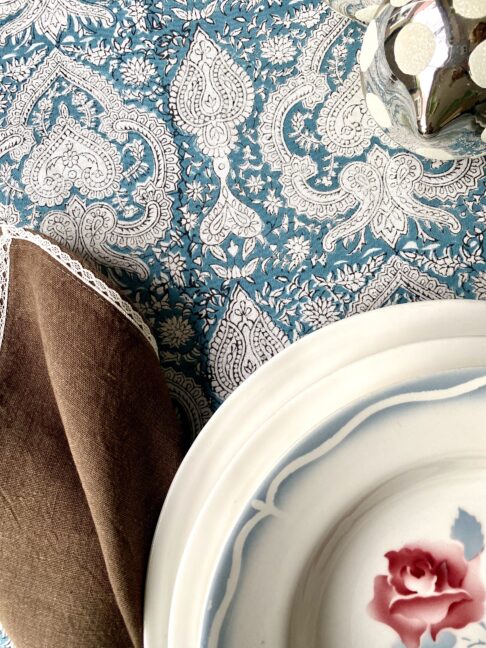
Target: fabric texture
{"type": "Point", "coordinates": [89, 445]}
{"type": "Point", "coordinates": [243, 194]}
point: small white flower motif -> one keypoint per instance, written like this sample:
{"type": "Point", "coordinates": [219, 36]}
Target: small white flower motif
{"type": "Point", "coordinates": [70, 157]}
{"type": "Point", "coordinates": [176, 265]}
{"type": "Point", "coordinates": [176, 332]}
{"type": "Point", "coordinates": [97, 55]}
{"type": "Point", "coordinates": [137, 11]}
{"type": "Point", "coordinates": [351, 278]}
{"type": "Point", "coordinates": [242, 312]}
{"type": "Point", "coordinates": [17, 69]}
{"type": "Point", "coordinates": [195, 190]}
{"type": "Point", "coordinates": [307, 16]}
{"type": "Point", "coordinates": [272, 203]}
{"type": "Point", "coordinates": [255, 184]}
{"type": "Point", "coordinates": [319, 312]}
{"type": "Point", "coordinates": [446, 265]}
{"type": "Point", "coordinates": [188, 220]}
{"type": "Point", "coordinates": [3, 103]}
{"type": "Point", "coordinates": [9, 215]}
{"type": "Point", "coordinates": [298, 248]}
{"type": "Point", "coordinates": [278, 49]}
{"type": "Point", "coordinates": [138, 71]}
{"type": "Point", "coordinates": [479, 284]}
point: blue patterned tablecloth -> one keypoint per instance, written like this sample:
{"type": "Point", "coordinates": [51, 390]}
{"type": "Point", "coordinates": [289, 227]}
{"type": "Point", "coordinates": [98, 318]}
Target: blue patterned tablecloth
{"type": "Point", "coordinates": [217, 160]}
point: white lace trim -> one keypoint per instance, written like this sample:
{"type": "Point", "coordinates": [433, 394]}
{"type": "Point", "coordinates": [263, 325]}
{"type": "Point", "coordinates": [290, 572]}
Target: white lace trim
{"type": "Point", "coordinates": [85, 275]}
{"type": "Point", "coordinates": [4, 279]}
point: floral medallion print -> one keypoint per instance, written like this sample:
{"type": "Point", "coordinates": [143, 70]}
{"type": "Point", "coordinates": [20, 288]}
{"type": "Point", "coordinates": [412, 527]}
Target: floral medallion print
{"type": "Point", "coordinates": [217, 161]}
{"type": "Point", "coordinates": [434, 589]}
{"type": "Point", "coordinates": [211, 96]}
{"type": "Point", "coordinates": [85, 147]}
{"type": "Point", "coordinates": [48, 17]}
{"type": "Point", "coordinates": [249, 336]}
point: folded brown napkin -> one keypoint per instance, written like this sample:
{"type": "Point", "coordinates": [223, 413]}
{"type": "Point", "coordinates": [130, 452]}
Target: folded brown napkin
{"type": "Point", "coordinates": [88, 447]}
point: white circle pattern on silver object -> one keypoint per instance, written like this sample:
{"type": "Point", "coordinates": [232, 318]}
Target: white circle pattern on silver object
{"type": "Point", "coordinates": [366, 14]}
{"type": "Point", "coordinates": [426, 62]}
{"type": "Point", "coordinates": [470, 8]}
{"type": "Point", "coordinates": [361, 10]}
{"type": "Point", "coordinates": [477, 65]}
{"type": "Point", "coordinates": [378, 110]}
{"type": "Point", "coordinates": [414, 48]}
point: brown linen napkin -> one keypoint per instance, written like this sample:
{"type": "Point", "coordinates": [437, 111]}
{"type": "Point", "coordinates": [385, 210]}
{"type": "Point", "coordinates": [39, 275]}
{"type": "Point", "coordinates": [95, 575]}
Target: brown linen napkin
{"type": "Point", "coordinates": [89, 445]}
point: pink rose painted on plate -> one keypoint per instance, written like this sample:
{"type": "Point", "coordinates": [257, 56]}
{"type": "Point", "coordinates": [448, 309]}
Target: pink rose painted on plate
{"type": "Point", "coordinates": [432, 586]}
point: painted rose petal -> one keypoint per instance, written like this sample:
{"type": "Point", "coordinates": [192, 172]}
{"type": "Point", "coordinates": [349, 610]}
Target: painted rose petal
{"type": "Point", "coordinates": [432, 587]}
{"type": "Point", "coordinates": [400, 562]}
{"type": "Point", "coordinates": [409, 630]}
{"type": "Point", "coordinates": [469, 611]}
{"type": "Point", "coordinates": [450, 553]}
{"type": "Point", "coordinates": [432, 609]}
{"type": "Point", "coordinates": [420, 580]}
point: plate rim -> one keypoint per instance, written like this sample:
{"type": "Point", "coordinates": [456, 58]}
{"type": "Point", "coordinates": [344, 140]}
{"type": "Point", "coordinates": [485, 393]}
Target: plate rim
{"type": "Point", "coordinates": [413, 322]}
{"type": "Point", "coordinates": [180, 616]}
{"type": "Point", "coordinates": [458, 384]}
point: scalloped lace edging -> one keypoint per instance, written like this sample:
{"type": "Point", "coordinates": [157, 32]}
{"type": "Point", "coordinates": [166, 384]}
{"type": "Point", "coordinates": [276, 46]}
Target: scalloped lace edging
{"type": "Point", "coordinates": [74, 267]}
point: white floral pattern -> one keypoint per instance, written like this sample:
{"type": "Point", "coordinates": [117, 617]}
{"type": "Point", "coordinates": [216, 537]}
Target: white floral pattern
{"type": "Point", "coordinates": [72, 157]}
{"type": "Point", "coordinates": [248, 336]}
{"type": "Point", "coordinates": [218, 162]}
{"type": "Point", "coordinates": [210, 97]}
{"type": "Point", "coordinates": [48, 17]}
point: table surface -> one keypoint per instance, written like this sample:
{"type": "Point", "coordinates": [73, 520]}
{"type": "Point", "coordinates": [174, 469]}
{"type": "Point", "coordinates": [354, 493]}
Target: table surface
{"type": "Point", "coordinates": [217, 160]}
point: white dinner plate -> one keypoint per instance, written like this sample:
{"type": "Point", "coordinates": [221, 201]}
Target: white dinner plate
{"type": "Point", "coordinates": [290, 372]}
{"type": "Point", "coordinates": [390, 488]}
{"type": "Point", "coordinates": [252, 466]}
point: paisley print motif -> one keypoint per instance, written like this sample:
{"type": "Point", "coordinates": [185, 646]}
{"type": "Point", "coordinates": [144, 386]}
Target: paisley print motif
{"type": "Point", "coordinates": [383, 189]}
{"type": "Point", "coordinates": [394, 276]}
{"type": "Point", "coordinates": [210, 97]}
{"type": "Point", "coordinates": [242, 342]}
{"type": "Point", "coordinates": [217, 161]}
{"type": "Point", "coordinates": [88, 231]}
{"type": "Point", "coordinates": [345, 124]}
{"type": "Point", "coordinates": [60, 157]}
{"type": "Point", "coordinates": [48, 17]}
{"type": "Point", "coordinates": [192, 404]}
{"type": "Point", "coordinates": [71, 156]}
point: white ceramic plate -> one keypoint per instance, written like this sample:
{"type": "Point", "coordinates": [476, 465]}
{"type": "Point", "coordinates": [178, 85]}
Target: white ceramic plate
{"type": "Point", "coordinates": [403, 472]}
{"type": "Point", "coordinates": [292, 371]}
{"type": "Point", "coordinates": [289, 427]}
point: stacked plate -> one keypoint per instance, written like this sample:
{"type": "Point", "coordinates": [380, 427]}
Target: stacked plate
{"type": "Point", "coordinates": [337, 498]}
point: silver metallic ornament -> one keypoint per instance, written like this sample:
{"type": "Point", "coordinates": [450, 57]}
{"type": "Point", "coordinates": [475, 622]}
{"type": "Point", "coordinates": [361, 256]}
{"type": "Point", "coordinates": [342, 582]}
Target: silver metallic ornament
{"type": "Point", "coordinates": [423, 73]}
{"type": "Point", "coordinates": [361, 10]}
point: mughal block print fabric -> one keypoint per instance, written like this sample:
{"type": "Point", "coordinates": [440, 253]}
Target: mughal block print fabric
{"type": "Point", "coordinates": [217, 160]}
